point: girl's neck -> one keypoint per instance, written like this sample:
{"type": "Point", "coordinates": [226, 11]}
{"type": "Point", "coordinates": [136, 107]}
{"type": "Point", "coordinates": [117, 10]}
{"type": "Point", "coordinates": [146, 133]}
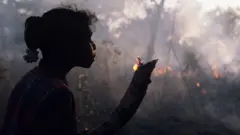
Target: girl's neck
{"type": "Point", "coordinates": [55, 70]}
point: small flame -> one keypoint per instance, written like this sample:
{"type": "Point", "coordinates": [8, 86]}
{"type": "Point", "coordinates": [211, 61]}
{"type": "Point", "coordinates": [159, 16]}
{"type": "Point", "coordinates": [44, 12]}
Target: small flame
{"type": "Point", "coordinates": [198, 85]}
{"type": "Point", "coordinates": [160, 71]}
{"type": "Point", "coordinates": [135, 67]}
{"type": "Point", "coordinates": [216, 75]}
{"type": "Point", "coordinates": [137, 64]}
{"type": "Point", "coordinates": [215, 72]}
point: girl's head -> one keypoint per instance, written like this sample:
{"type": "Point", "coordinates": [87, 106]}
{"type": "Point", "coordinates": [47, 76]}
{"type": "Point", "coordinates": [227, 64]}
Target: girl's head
{"type": "Point", "coordinates": [63, 35]}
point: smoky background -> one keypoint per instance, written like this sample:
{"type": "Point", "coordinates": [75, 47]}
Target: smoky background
{"type": "Point", "coordinates": [195, 86]}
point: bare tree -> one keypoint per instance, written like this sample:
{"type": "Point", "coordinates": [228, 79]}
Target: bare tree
{"type": "Point", "coordinates": [154, 29]}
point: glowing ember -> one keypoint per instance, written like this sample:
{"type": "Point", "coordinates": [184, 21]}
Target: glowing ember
{"type": "Point", "coordinates": [216, 75]}
{"type": "Point", "coordinates": [135, 67]}
{"type": "Point", "coordinates": [160, 71]}
{"type": "Point", "coordinates": [137, 64]}
{"type": "Point", "coordinates": [215, 72]}
{"type": "Point", "coordinates": [198, 85]}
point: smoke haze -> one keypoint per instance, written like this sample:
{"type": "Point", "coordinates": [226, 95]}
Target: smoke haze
{"type": "Point", "coordinates": [209, 29]}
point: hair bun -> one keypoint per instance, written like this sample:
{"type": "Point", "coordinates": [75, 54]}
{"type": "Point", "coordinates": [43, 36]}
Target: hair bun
{"type": "Point", "coordinates": [31, 56]}
{"type": "Point", "coordinates": [32, 34]}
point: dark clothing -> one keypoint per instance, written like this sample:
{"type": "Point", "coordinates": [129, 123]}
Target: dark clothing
{"type": "Point", "coordinates": [40, 105]}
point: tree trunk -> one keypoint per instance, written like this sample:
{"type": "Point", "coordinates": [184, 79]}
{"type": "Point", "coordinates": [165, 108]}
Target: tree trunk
{"type": "Point", "coordinates": [154, 30]}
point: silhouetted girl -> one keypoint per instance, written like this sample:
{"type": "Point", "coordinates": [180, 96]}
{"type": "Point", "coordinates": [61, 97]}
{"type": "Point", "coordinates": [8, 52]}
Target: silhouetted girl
{"type": "Point", "coordinates": [41, 103]}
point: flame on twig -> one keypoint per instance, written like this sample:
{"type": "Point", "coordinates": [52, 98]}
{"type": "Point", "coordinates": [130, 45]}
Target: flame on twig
{"type": "Point", "coordinates": [135, 67]}
{"type": "Point", "coordinates": [137, 64]}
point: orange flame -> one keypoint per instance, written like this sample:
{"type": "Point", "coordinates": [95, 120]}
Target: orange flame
{"type": "Point", "coordinates": [198, 85]}
{"type": "Point", "coordinates": [137, 64]}
{"type": "Point", "coordinates": [216, 75]}
{"type": "Point", "coordinates": [135, 67]}
{"type": "Point", "coordinates": [160, 71]}
{"type": "Point", "coordinates": [215, 72]}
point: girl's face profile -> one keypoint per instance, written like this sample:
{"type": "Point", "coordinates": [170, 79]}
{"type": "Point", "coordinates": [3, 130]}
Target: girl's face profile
{"type": "Point", "coordinates": [85, 53]}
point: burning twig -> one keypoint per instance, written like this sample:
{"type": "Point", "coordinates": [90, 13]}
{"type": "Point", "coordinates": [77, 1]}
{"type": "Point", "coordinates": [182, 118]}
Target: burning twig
{"type": "Point", "coordinates": [138, 63]}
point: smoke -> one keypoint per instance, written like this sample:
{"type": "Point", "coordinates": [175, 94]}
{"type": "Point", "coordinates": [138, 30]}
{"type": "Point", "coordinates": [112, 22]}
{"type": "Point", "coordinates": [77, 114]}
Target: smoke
{"type": "Point", "coordinates": [120, 21]}
{"type": "Point", "coordinates": [208, 28]}
{"type": "Point", "coordinates": [216, 46]}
